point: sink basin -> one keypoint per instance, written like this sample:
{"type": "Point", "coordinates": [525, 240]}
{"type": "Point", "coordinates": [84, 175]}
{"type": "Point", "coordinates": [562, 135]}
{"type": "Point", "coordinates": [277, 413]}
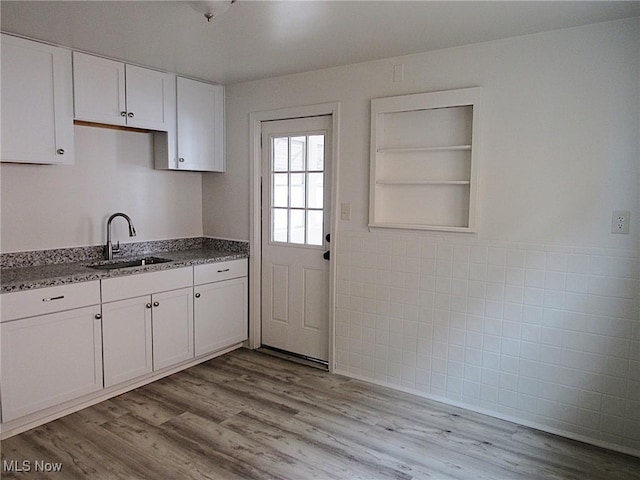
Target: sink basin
{"type": "Point", "coordinates": [137, 262]}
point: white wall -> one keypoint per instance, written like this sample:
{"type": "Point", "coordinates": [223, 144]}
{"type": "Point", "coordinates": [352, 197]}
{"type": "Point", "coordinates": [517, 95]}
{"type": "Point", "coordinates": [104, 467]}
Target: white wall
{"type": "Point", "coordinates": [534, 318]}
{"type": "Point", "coordinates": [49, 206]}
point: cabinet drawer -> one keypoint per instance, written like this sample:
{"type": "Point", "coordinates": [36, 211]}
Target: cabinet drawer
{"type": "Point", "coordinates": [41, 301]}
{"type": "Point", "coordinates": [145, 284]}
{"type": "Point", "coordinates": [215, 272]}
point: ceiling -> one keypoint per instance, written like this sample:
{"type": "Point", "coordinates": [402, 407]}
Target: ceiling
{"type": "Point", "coordinates": [260, 39]}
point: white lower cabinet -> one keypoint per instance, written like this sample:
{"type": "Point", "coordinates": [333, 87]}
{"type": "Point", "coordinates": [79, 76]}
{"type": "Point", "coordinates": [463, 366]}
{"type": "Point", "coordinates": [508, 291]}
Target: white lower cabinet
{"type": "Point", "coordinates": [126, 331]}
{"type": "Point", "coordinates": [60, 344]}
{"type": "Point", "coordinates": [172, 322]}
{"type": "Point", "coordinates": [221, 307]}
{"type": "Point", "coordinates": [50, 359]}
{"type": "Point", "coordinates": [150, 332]}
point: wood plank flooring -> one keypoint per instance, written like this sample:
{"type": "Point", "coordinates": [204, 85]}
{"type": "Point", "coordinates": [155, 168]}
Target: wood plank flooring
{"type": "Point", "coordinates": [247, 415]}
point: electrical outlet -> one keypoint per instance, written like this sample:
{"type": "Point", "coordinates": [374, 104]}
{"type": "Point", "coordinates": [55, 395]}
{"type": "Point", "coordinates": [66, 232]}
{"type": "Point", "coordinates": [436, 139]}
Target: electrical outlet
{"type": "Point", "coordinates": [345, 211]}
{"type": "Point", "coordinates": [620, 221]}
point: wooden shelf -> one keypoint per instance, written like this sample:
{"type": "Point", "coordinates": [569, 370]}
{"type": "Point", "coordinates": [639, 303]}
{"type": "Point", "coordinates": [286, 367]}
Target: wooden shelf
{"type": "Point", "coordinates": [423, 182]}
{"type": "Point", "coordinates": [424, 161]}
{"type": "Point", "coordinates": [415, 226]}
{"type": "Point", "coordinates": [451, 148]}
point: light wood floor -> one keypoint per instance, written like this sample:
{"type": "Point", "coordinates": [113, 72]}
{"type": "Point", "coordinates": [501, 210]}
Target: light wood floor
{"type": "Point", "coordinates": [247, 415]}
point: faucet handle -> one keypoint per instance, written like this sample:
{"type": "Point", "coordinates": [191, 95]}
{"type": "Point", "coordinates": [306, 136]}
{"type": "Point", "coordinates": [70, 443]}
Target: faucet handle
{"type": "Point", "coordinates": [116, 249]}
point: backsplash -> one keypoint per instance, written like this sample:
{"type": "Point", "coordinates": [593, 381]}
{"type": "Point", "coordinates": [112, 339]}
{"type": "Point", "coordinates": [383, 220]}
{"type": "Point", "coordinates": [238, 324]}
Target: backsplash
{"type": "Point", "coordinates": [542, 334]}
{"type": "Point", "coordinates": [79, 254]}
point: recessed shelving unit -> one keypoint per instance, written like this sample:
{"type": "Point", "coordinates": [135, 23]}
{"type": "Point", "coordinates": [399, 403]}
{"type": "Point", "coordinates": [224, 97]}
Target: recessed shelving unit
{"type": "Point", "coordinates": [424, 161]}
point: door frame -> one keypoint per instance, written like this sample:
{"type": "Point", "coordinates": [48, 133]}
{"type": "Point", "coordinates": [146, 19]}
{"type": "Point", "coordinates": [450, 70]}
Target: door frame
{"type": "Point", "coordinates": [255, 200]}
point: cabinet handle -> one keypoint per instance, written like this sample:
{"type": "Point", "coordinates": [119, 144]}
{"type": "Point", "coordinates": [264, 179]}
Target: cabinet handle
{"type": "Point", "coordinates": [155, 304]}
{"type": "Point", "coordinates": [130, 114]}
{"type": "Point", "coordinates": [197, 295]}
{"type": "Point", "coordinates": [225, 270]}
{"type": "Point", "coordinates": [60, 151]}
{"type": "Point", "coordinates": [53, 298]}
{"type": "Point", "coordinates": [148, 305]}
{"type": "Point", "coordinates": [123, 114]}
{"type": "Point", "coordinates": [181, 160]}
{"type": "Point", "coordinates": [98, 316]}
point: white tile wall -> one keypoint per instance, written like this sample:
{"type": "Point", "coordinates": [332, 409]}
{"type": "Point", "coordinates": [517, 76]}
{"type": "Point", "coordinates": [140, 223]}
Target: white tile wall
{"type": "Point", "coordinates": [549, 335]}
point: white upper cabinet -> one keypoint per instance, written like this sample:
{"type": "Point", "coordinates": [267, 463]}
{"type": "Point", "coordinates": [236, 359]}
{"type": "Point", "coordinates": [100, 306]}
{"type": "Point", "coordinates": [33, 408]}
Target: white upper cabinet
{"type": "Point", "coordinates": [111, 92]}
{"type": "Point", "coordinates": [37, 103]}
{"type": "Point", "coordinates": [199, 144]}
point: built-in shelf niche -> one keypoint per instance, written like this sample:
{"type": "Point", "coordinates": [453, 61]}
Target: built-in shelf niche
{"type": "Point", "coordinates": [424, 161]}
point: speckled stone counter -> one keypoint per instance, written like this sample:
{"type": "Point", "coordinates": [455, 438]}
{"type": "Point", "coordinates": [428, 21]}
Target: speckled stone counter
{"type": "Point", "coordinates": [37, 270]}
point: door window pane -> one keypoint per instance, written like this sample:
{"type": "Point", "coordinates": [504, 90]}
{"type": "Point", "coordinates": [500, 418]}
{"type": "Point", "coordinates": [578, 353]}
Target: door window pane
{"type": "Point", "coordinates": [280, 224]}
{"type": "Point", "coordinates": [297, 226]}
{"type": "Point", "coordinates": [298, 151]}
{"type": "Point", "coordinates": [315, 222]}
{"type": "Point", "coordinates": [280, 190]}
{"type": "Point", "coordinates": [316, 152]}
{"type": "Point", "coordinates": [316, 190]}
{"type": "Point", "coordinates": [280, 160]}
{"type": "Point", "coordinates": [297, 190]}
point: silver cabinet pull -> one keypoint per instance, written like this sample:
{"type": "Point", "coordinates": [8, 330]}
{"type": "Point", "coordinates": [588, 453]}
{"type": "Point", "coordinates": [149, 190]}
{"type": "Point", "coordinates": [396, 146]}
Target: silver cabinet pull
{"type": "Point", "coordinates": [60, 151]}
{"type": "Point", "coordinates": [197, 295]}
{"type": "Point", "coordinates": [155, 304]}
{"type": "Point", "coordinates": [225, 270]}
{"type": "Point", "coordinates": [181, 160]}
{"type": "Point", "coordinates": [148, 305]}
{"type": "Point", "coordinates": [123, 114]}
{"type": "Point", "coordinates": [130, 114]}
{"type": "Point", "coordinates": [98, 316]}
{"type": "Point", "coordinates": [53, 298]}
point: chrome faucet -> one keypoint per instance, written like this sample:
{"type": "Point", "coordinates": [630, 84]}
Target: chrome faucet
{"type": "Point", "coordinates": [109, 249]}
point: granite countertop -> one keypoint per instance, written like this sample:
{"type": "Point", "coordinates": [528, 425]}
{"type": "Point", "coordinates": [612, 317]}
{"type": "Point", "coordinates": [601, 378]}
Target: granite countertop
{"type": "Point", "coordinates": [38, 276]}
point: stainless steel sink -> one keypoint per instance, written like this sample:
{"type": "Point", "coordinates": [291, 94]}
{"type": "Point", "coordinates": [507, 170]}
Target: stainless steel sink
{"type": "Point", "coordinates": [136, 262]}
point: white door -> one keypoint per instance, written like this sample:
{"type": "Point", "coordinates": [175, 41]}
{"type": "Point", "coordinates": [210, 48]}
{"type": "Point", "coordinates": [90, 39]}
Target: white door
{"type": "Point", "coordinates": [50, 359]}
{"type": "Point", "coordinates": [172, 327]}
{"type": "Point", "coordinates": [126, 339]}
{"type": "Point", "coordinates": [221, 314]}
{"type": "Point", "coordinates": [150, 98]}
{"type": "Point", "coordinates": [296, 161]}
{"type": "Point", "coordinates": [37, 102]}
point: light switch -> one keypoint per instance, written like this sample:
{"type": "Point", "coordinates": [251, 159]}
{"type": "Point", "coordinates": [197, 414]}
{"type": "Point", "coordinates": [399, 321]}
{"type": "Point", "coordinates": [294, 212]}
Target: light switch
{"type": "Point", "coordinates": [345, 211]}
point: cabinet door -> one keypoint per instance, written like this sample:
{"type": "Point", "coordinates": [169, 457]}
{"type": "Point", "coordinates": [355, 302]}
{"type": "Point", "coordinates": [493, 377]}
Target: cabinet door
{"type": "Point", "coordinates": [50, 359]}
{"type": "Point", "coordinates": [37, 108]}
{"type": "Point", "coordinates": [172, 327]}
{"type": "Point", "coordinates": [126, 331]}
{"type": "Point", "coordinates": [200, 125]}
{"type": "Point", "coordinates": [151, 98]}
{"type": "Point", "coordinates": [220, 315]}
{"type": "Point", "coordinates": [98, 89]}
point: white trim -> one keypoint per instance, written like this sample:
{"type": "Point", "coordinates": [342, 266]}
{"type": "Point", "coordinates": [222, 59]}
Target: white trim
{"type": "Point", "coordinates": [255, 260]}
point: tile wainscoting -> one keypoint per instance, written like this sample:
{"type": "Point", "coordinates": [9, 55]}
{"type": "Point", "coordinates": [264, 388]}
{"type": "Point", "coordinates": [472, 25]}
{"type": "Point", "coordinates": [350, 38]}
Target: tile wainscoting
{"type": "Point", "coordinates": [545, 335]}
